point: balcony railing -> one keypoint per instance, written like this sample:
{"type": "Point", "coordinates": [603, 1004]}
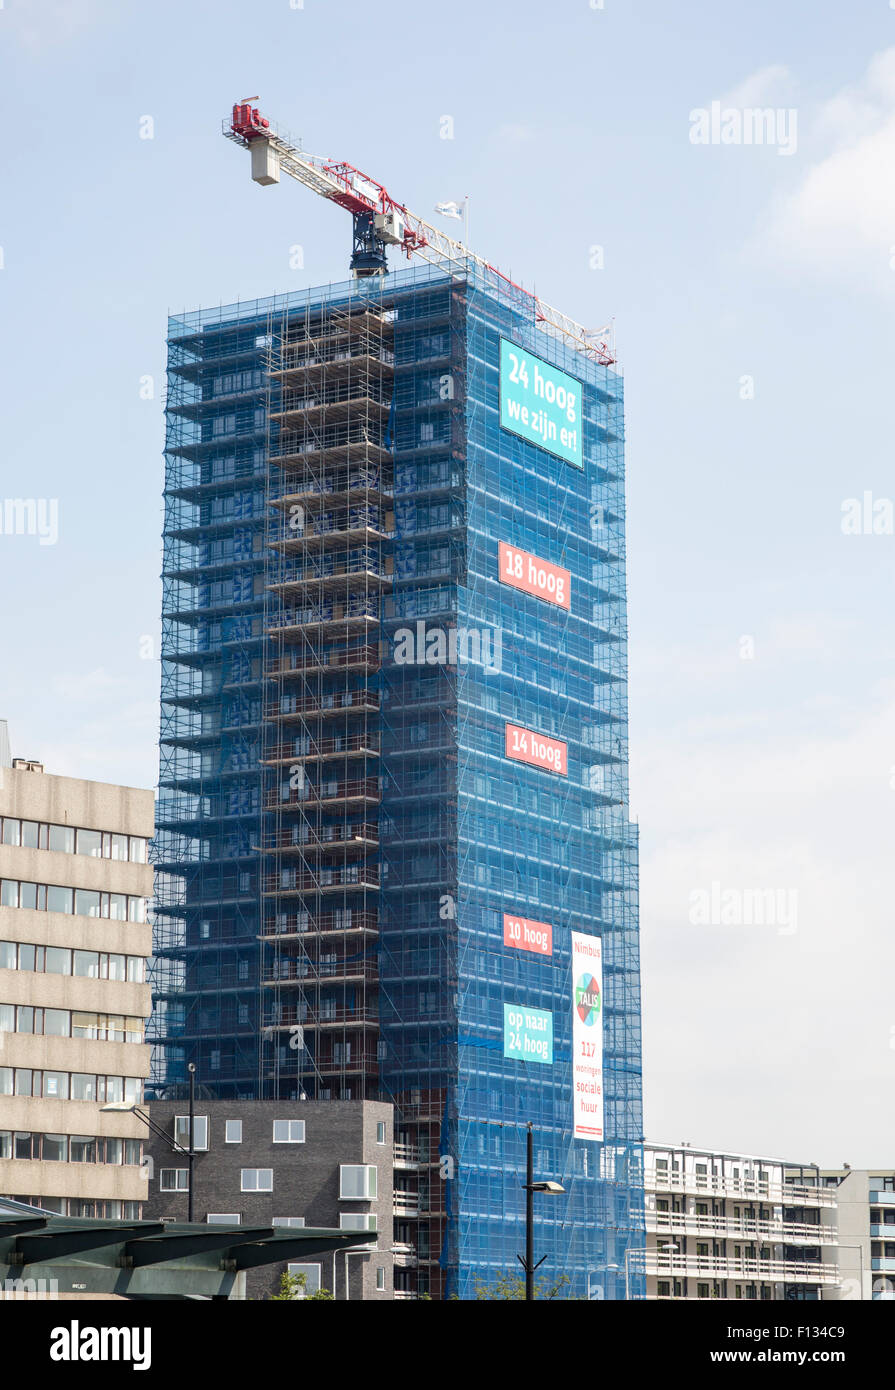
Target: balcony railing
{"type": "Point", "coordinates": [323, 968]}
{"type": "Point", "coordinates": [408, 1156]}
{"type": "Point", "coordinates": [309, 485]}
{"type": "Point", "coordinates": [352, 877]}
{"type": "Point", "coordinates": [740, 1228]}
{"type": "Point", "coordinates": [361, 789]}
{"type": "Point", "coordinates": [293, 924]}
{"type": "Point", "coordinates": [342, 702]}
{"type": "Point", "coordinates": [339, 1017]}
{"type": "Point", "coordinates": [297, 357]}
{"type": "Point", "coordinates": [408, 1204]}
{"type": "Point", "coordinates": [343, 577]}
{"type": "Point", "coordinates": [356, 615]}
{"type": "Point", "coordinates": [731, 1267]}
{"type": "Point", "coordinates": [364, 657]}
{"type": "Point", "coordinates": [358, 835]}
{"type": "Point", "coordinates": [360, 1062]}
{"type": "Point", "coordinates": [787, 1194]}
{"type": "Point", "coordinates": [322, 748]}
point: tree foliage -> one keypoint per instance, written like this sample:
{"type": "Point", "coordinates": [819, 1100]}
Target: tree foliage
{"type": "Point", "coordinates": [512, 1287]}
{"type": "Point", "coordinates": [293, 1288]}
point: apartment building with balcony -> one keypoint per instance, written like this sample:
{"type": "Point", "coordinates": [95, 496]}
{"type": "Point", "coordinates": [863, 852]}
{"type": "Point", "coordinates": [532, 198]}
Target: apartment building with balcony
{"type": "Point", "coordinates": [272, 1164]}
{"type": "Point", "coordinates": [865, 1205]}
{"type": "Point", "coordinates": [74, 997]}
{"type": "Point", "coordinates": [735, 1226]}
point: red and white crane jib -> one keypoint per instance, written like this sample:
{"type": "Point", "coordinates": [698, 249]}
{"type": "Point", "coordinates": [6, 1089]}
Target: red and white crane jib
{"type": "Point", "coordinates": [336, 180]}
{"type": "Point", "coordinates": [359, 194]}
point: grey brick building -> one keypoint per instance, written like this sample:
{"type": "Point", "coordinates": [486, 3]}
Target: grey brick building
{"type": "Point", "coordinates": [280, 1163]}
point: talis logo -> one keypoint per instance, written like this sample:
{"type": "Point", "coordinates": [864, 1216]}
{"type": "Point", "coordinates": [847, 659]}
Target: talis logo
{"type": "Point", "coordinates": [587, 999]}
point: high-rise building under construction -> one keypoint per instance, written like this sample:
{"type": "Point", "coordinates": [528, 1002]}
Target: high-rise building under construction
{"type": "Point", "coordinates": [394, 858]}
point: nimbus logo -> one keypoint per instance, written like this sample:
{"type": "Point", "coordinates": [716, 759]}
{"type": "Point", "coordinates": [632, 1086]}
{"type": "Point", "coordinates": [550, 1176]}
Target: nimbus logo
{"type": "Point", "coordinates": [746, 125]}
{"type": "Point", "coordinates": [77, 1343]}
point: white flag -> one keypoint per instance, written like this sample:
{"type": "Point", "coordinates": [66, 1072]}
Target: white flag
{"type": "Point", "coordinates": [450, 210]}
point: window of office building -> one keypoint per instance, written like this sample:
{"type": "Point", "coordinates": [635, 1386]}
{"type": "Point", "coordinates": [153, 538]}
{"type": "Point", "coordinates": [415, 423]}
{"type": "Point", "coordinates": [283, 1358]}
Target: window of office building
{"type": "Point", "coordinates": [233, 1131]}
{"type": "Point", "coordinates": [357, 1182]}
{"type": "Point", "coordinates": [67, 839]}
{"type": "Point", "coordinates": [256, 1179]}
{"type": "Point", "coordinates": [63, 1085]}
{"type": "Point", "coordinates": [357, 1221]}
{"type": "Point", "coordinates": [60, 960]}
{"type": "Point", "coordinates": [200, 1132]}
{"type": "Point", "coordinates": [174, 1180]}
{"type": "Point", "coordinates": [312, 1277]}
{"type": "Point", "coordinates": [288, 1131]}
{"type": "Point", "coordinates": [82, 902]}
{"type": "Point", "coordinates": [62, 1023]}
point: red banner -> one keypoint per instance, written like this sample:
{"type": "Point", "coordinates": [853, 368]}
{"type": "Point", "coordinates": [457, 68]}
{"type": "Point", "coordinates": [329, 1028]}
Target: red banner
{"type": "Point", "coordinates": [525, 746]}
{"type": "Point", "coordinates": [524, 935]}
{"type": "Point", "coordinates": [534, 576]}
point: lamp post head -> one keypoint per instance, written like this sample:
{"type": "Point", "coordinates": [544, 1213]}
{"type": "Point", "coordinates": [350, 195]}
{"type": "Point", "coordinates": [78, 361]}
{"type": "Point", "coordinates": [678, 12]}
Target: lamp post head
{"type": "Point", "coordinates": [553, 1188]}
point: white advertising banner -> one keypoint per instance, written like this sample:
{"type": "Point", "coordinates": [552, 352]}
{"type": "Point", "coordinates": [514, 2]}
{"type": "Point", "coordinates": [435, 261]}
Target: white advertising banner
{"type": "Point", "coordinates": [587, 1036]}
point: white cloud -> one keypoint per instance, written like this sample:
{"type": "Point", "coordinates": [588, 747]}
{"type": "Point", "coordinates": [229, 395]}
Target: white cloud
{"type": "Point", "coordinates": [841, 215]}
{"type": "Point", "coordinates": [94, 724]}
{"type": "Point", "coordinates": [38, 24]}
{"type": "Point", "coordinates": [767, 85]}
{"type": "Point", "coordinates": [88, 686]}
{"type": "Point", "coordinates": [514, 134]}
{"type": "Point", "coordinates": [755, 1037]}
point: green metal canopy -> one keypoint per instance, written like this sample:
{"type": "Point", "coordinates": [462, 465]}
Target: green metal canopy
{"type": "Point", "coordinates": [147, 1259]}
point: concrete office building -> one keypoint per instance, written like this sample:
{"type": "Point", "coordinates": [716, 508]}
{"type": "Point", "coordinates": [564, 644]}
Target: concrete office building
{"type": "Point", "coordinates": [865, 1210]}
{"type": "Point", "coordinates": [272, 1163]}
{"type": "Point", "coordinates": [74, 942]}
{"type": "Point", "coordinates": [735, 1226]}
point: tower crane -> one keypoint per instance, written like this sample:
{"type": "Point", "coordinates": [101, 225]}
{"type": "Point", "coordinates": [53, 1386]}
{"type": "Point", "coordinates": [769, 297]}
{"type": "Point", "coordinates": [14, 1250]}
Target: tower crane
{"type": "Point", "coordinates": [380, 221]}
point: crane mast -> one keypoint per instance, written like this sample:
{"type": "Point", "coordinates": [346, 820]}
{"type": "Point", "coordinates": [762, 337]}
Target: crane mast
{"type": "Point", "coordinates": [379, 221]}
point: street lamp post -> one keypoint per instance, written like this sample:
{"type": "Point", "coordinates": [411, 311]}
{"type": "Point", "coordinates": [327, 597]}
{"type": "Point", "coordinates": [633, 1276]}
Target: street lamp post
{"type": "Point", "coordinates": [191, 1152]}
{"type": "Point", "coordinates": [531, 1187]}
{"type": "Point", "coordinates": [130, 1108]}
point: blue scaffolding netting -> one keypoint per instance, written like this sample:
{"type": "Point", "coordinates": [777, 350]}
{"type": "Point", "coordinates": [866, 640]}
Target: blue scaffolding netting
{"type": "Point", "coordinates": [340, 830]}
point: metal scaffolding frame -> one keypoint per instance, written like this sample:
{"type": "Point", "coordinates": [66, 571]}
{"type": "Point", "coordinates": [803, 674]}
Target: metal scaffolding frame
{"type": "Point", "coordinates": [340, 831]}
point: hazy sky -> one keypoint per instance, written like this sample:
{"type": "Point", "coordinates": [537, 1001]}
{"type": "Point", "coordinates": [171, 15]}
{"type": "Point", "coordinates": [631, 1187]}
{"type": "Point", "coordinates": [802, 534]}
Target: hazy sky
{"type": "Point", "coordinates": [752, 290]}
